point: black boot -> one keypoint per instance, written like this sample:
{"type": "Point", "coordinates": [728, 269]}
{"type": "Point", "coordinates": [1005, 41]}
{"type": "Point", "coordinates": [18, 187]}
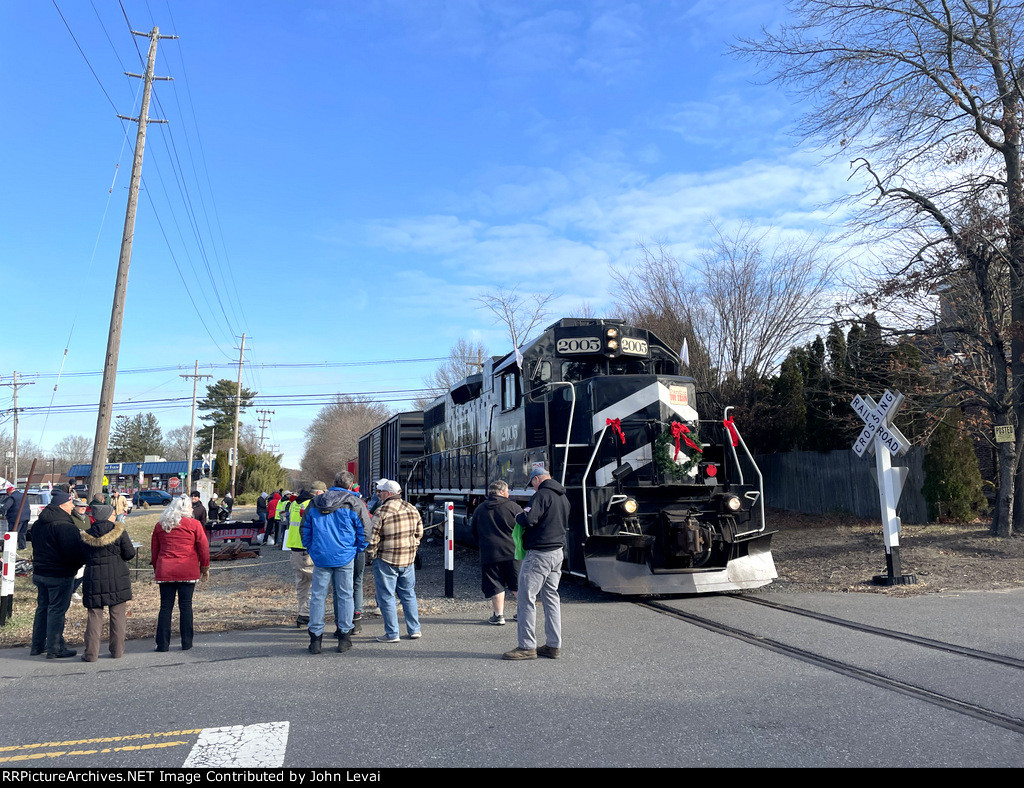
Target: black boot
{"type": "Point", "coordinates": [344, 643]}
{"type": "Point", "coordinates": [314, 643]}
{"type": "Point", "coordinates": [301, 621]}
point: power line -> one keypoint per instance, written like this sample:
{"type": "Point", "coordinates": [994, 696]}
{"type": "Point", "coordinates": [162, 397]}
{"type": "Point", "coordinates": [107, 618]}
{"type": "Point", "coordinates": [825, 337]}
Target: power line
{"type": "Point", "coordinates": [234, 365]}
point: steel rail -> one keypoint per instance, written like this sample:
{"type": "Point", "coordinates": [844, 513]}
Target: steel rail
{"type": "Point", "coordinates": [918, 640]}
{"type": "Point", "coordinates": [1015, 724]}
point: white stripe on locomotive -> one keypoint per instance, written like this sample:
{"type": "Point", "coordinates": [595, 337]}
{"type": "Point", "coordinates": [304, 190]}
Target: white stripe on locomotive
{"type": "Point", "coordinates": [656, 392]}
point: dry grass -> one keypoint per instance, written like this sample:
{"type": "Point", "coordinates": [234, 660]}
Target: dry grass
{"type": "Point", "coordinates": [241, 594]}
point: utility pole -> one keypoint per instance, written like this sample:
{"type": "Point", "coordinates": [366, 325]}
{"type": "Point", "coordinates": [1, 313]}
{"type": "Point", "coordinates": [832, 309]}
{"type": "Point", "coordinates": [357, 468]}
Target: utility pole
{"type": "Point", "coordinates": [106, 404]}
{"type": "Point", "coordinates": [264, 421]}
{"type": "Point", "coordinates": [15, 385]}
{"type": "Point", "coordinates": [238, 402]}
{"type": "Point", "coordinates": [192, 430]}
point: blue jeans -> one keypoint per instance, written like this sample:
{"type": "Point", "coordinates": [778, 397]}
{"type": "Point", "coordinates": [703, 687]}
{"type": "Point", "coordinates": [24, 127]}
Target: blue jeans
{"type": "Point", "coordinates": [357, 581]}
{"type": "Point", "coordinates": [358, 566]}
{"type": "Point", "coordinates": [389, 580]}
{"type": "Point", "coordinates": [53, 598]}
{"type": "Point", "coordinates": [341, 578]}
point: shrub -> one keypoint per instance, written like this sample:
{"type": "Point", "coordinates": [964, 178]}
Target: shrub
{"type": "Point", "coordinates": [952, 482]}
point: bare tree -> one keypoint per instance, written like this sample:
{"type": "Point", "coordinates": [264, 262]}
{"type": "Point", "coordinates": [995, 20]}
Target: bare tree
{"type": "Point", "coordinates": [925, 96]}
{"type": "Point", "coordinates": [71, 450]}
{"type": "Point", "coordinates": [176, 443]}
{"type": "Point", "coordinates": [332, 439]}
{"type": "Point", "coordinates": [464, 359]}
{"type": "Point", "coordinates": [741, 306]}
{"type": "Point", "coordinates": [518, 313]}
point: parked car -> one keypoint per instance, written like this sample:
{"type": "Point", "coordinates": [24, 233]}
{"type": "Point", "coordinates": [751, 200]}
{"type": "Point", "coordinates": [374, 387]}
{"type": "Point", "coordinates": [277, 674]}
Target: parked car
{"type": "Point", "coordinates": [152, 497]}
{"type": "Point", "coordinates": [36, 501]}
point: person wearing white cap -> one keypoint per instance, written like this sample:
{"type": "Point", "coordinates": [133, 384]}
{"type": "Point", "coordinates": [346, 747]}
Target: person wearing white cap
{"type": "Point", "coordinates": [397, 530]}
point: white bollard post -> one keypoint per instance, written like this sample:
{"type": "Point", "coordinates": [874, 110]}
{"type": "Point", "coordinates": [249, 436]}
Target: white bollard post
{"type": "Point", "coordinates": [10, 559]}
{"type": "Point", "coordinates": [449, 550]}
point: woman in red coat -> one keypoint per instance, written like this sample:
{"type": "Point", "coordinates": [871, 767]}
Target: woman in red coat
{"type": "Point", "coordinates": [180, 557]}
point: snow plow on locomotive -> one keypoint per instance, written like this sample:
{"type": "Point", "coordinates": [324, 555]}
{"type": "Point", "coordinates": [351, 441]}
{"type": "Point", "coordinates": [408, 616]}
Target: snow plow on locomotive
{"type": "Point", "coordinates": [662, 500]}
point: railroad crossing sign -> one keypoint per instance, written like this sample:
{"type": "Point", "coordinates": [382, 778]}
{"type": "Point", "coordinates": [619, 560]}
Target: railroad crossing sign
{"type": "Point", "coordinates": [881, 438]}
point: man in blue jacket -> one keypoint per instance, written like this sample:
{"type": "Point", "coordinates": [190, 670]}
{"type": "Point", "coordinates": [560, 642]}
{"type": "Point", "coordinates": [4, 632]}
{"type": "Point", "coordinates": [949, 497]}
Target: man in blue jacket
{"type": "Point", "coordinates": [14, 499]}
{"type": "Point", "coordinates": [333, 531]}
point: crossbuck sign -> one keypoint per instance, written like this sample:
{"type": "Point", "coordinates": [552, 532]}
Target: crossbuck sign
{"type": "Point", "coordinates": [881, 438]}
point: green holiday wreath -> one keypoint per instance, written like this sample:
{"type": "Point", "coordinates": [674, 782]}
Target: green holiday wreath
{"type": "Point", "coordinates": [671, 443]}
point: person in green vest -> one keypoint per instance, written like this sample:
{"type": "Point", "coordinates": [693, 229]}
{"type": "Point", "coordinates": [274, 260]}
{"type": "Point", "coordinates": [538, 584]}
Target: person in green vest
{"type": "Point", "coordinates": [302, 564]}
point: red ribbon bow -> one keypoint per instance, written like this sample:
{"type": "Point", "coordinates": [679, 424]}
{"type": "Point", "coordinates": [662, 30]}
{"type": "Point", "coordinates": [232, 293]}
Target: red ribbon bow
{"type": "Point", "coordinates": [731, 426]}
{"type": "Point", "coordinates": [682, 431]}
{"type": "Point", "coordinates": [616, 425]}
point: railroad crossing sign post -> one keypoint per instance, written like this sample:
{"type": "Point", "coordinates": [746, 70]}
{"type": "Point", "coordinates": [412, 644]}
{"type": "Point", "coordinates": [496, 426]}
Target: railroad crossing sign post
{"type": "Point", "coordinates": [881, 438]}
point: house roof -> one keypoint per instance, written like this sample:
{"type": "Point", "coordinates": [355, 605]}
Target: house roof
{"type": "Point", "coordinates": [132, 468]}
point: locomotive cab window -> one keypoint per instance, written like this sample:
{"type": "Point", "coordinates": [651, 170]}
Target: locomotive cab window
{"type": "Point", "coordinates": [581, 370]}
{"type": "Point", "coordinates": [628, 366]}
{"type": "Point", "coordinates": [509, 391]}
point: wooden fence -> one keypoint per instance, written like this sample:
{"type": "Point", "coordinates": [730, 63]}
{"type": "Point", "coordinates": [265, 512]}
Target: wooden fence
{"type": "Point", "coordinates": [839, 481]}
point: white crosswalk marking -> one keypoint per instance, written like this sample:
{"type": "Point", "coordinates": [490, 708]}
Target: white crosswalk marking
{"type": "Point", "coordinates": [242, 746]}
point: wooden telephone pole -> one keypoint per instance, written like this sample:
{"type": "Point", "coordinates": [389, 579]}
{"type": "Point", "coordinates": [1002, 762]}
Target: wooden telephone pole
{"type": "Point", "coordinates": [15, 386]}
{"type": "Point", "coordinates": [238, 402]}
{"type": "Point", "coordinates": [106, 404]}
{"type": "Point", "coordinates": [192, 430]}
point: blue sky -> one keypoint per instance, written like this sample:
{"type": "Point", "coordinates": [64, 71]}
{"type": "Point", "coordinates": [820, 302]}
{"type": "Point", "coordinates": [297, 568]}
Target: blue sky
{"type": "Point", "coordinates": [339, 180]}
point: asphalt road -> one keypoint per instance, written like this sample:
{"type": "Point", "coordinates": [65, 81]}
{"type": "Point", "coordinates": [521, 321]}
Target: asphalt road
{"type": "Point", "coordinates": [634, 688]}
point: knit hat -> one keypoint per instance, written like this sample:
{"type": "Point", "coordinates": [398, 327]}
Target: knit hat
{"type": "Point", "coordinates": [319, 487]}
{"type": "Point", "coordinates": [101, 512]}
{"type": "Point", "coordinates": [59, 497]}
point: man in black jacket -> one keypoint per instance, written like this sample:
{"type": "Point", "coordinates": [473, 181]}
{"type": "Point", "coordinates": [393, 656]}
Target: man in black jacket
{"type": "Point", "coordinates": [57, 554]}
{"type": "Point", "coordinates": [544, 525]}
{"type": "Point", "coordinates": [199, 511]}
{"type": "Point", "coordinates": [493, 522]}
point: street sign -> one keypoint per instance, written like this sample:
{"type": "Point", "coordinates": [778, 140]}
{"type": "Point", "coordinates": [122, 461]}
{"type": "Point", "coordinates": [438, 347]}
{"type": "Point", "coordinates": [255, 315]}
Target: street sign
{"type": "Point", "coordinates": [881, 438]}
{"type": "Point", "coordinates": [173, 482]}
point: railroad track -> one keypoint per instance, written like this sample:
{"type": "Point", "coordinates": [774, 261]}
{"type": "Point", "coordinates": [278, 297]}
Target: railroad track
{"type": "Point", "coordinates": [849, 670]}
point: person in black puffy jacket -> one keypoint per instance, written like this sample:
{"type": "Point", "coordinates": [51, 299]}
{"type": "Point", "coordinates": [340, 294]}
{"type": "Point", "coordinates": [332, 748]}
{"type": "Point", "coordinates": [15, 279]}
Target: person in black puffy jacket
{"type": "Point", "coordinates": [108, 583]}
{"type": "Point", "coordinates": [57, 554]}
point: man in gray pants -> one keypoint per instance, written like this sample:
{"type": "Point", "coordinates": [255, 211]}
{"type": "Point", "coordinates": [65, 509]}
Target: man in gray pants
{"type": "Point", "coordinates": [544, 525]}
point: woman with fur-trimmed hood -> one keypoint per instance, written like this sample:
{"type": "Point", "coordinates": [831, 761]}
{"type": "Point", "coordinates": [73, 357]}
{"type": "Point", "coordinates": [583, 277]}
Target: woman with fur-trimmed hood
{"type": "Point", "coordinates": [107, 582]}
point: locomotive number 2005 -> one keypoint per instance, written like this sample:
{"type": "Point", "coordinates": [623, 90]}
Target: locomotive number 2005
{"type": "Point", "coordinates": [579, 345]}
{"type": "Point", "coordinates": [634, 347]}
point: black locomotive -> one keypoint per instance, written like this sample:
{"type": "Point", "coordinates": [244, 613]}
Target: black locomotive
{"type": "Point", "coordinates": [663, 501]}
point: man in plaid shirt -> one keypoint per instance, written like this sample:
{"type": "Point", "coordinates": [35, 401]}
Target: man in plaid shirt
{"type": "Point", "coordinates": [397, 530]}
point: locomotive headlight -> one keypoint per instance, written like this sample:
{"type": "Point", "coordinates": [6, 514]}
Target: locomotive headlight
{"type": "Point", "coordinates": [613, 344]}
{"type": "Point", "coordinates": [732, 503]}
{"type": "Point", "coordinates": [612, 332]}
{"type": "Point", "coordinates": [629, 506]}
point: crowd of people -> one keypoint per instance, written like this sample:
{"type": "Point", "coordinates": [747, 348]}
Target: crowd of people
{"type": "Point", "coordinates": [331, 533]}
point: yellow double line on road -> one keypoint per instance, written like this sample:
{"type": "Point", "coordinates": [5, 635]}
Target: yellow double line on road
{"type": "Point", "coordinates": [31, 752]}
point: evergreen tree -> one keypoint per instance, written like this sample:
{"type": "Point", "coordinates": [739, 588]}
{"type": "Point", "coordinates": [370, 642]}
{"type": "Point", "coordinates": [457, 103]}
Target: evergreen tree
{"type": "Point", "coordinates": [952, 484]}
{"type": "Point", "coordinates": [791, 409]}
{"type": "Point", "coordinates": [262, 473]}
{"type": "Point", "coordinates": [133, 438]}
{"type": "Point", "coordinates": [219, 407]}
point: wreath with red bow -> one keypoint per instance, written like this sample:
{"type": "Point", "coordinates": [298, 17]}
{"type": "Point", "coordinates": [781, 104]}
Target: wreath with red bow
{"type": "Point", "coordinates": [677, 451]}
